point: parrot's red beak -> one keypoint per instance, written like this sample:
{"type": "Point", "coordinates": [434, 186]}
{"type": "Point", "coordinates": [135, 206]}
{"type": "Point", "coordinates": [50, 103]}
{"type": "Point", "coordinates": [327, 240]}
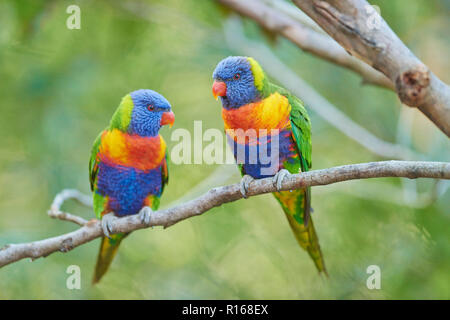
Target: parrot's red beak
{"type": "Point", "coordinates": [219, 89]}
{"type": "Point", "coordinates": [167, 118]}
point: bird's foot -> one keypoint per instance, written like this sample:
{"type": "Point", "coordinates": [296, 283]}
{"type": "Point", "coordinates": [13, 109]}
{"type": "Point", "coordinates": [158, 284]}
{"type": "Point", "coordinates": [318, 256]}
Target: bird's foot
{"type": "Point", "coordinates": [107, 220]}
{"type": "Point", "coordinates": [145, 214]}
{"type": "Point", "coordinates": [279, 177]}
{"type": "Point", "coordinates": [244, 184]}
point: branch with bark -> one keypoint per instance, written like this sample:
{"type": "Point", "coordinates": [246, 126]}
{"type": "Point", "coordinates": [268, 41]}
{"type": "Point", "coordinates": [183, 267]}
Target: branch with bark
{"type": "Point", "coordinates": [306, 38]}
{"type": "Point", "coordinates": [346, 21]}
{"type": "Point", "coordinates": [213, 198]}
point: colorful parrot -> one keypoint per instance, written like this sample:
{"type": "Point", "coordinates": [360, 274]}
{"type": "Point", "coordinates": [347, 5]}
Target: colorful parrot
{"type": "Point", "coordinates": [253, 104]}
{"type": "Point", "coordinates": [128, 167]}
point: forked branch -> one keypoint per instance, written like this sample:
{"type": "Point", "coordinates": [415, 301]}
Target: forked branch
{"type": "Point", "coordinates": [214, 198]}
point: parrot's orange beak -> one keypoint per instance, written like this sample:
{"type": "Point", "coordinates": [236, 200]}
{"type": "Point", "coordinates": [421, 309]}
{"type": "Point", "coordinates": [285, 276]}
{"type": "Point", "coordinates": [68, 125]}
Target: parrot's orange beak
{"type": "Point", "coordinates": [167, 118]}
{"type": "Point", "coordinates": [219, 89]}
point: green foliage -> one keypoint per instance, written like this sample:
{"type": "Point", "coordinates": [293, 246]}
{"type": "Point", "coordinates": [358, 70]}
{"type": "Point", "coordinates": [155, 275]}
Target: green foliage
{"type": "Point", "coordinates": [60, 88]}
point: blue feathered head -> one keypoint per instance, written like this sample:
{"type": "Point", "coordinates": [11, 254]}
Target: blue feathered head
{"type": "Point", "coordinates": [238, 81]}
{"type": "Point", "coordinates": [143, 112]}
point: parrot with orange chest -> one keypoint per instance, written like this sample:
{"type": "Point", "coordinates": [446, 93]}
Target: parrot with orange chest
{"type": "Point", "coordinates": [251, 103]}
{"type": "Point", "coordinates": [128, 167]}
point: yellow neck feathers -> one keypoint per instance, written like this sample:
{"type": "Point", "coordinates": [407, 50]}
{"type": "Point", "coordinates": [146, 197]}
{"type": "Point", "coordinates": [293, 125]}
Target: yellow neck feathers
{"type": "Point", "coordinates": [258, 73]}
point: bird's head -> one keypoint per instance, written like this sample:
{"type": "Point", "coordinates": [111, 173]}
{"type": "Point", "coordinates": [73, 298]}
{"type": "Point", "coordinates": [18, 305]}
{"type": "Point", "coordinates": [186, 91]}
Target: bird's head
{"type": "Point", "coordinates": [238, 81]}
{"type": "Point", "coordinates": [143, 112]}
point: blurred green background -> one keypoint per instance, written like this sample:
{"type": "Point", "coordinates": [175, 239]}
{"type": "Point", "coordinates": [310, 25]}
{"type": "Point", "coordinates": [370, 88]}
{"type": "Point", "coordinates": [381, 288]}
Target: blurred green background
{"type": "Point", "coordinates": [59, 88]}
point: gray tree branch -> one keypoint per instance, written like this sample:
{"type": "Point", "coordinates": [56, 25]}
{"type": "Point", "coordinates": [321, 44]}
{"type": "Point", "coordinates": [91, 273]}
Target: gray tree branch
{"type": "Point", "coordinates": [305, 38]}
{"type": "Point", "coordinates": [349, 23]}
{"type": "Point", "coordinates": [216, 197]}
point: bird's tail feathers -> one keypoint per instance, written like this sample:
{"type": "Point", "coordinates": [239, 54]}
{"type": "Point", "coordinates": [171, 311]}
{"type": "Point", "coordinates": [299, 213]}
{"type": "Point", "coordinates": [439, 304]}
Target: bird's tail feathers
{"type": "Point", "coordinates": [108, 250]}
{"type": "Point", "coordinates": [294, 206]}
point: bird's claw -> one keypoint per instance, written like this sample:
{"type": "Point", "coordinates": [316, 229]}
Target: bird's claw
{"type": "Point", "coordinates": [144, 215]}
{"type": "Point", "coordinates": [279, 177]}
{"type": "Point", "coordinates": [244, 184]}
{"type": "Point", "coordinates": [107, 219]}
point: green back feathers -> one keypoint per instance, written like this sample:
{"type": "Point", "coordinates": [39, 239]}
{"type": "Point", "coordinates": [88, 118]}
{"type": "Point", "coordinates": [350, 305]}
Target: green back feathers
{"type": "Point", "coordinates": [122, 117]}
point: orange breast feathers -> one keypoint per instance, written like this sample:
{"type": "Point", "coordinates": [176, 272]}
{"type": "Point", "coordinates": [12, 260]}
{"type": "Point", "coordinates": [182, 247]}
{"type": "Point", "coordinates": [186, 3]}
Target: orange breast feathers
{"type": "Point", "coordinates": [119, 148]}
{"type": "Point", "coordinates": [270, 113]}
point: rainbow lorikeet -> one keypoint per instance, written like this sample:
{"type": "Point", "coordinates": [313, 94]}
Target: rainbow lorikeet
{"type": "Point", "coordinates": [250, 103]}
{"type": "Point", "coordinates": [128, 166]}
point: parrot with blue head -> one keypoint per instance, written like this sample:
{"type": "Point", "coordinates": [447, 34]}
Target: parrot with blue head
{"type": "Point", "coordinates": [128, 167]}
{"type": "Point", "coordinates": [251, 103]}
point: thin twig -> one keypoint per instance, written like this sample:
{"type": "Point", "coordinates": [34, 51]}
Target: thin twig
{"type": "Point", "coordinates": [70, 194]}
{"type": "Point", "coordinates": [290, 10]}
{"type": "Point", "coordinates": [65, 216]}
{"type": "Point", "coordinates": [55, 209]}
{"type": "Point", "coordinates": [221, 195]}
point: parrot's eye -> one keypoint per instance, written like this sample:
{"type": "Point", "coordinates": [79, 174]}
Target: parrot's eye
{"type": "Point", "coordinates": [150, 107]}
{"type": "Point", "coordinates": [237, 76]}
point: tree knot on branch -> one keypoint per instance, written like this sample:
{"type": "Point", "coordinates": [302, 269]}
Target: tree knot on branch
{"type": "Point", "coordinates": [412, 84]}
{"type": "Point", "coordinates": [66, 245]}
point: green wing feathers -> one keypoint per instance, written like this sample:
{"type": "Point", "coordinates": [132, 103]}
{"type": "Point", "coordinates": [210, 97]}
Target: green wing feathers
{"type": "Point", "coordinates": [93, 165]}
{"type": "Point", "coordinates": [165, 172]}
{"type": "Point", "coordinates": [301, 125]}
{"type": "Point", "coordinates": [99, 200]}
{"type": "Point", "coordinates": [108, 250]}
